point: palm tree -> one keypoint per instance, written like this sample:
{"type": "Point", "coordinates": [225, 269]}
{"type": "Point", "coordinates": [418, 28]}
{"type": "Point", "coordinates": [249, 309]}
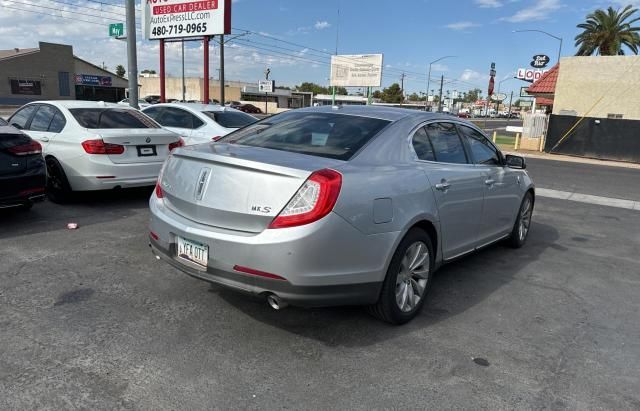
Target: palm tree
{"type": "Point", "coordinates": [605, 32]}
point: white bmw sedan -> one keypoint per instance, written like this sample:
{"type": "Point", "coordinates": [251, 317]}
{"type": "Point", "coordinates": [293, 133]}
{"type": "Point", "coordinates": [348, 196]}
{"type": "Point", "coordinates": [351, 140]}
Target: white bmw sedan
{"type": "Point", "coordinates": [91, 145]}
{"type": "Point", "coordinates": [199, 123]}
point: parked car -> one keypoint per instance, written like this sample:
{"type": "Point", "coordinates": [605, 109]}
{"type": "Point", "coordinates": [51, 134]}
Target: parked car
{"type": "Point", "coordinates": [23, 174]}
{"type": "Point", "coordinates": [464, 114]}
{"type": "Point", "coordinates": [141, 103]}
{"type": "Point", "coordinates": [326, 206]}
{"type": "Point", "coordinates": [91, 145]}
{"type": "Point", "coordinates": [198, 123]}
{"type": "Point", "coordinates": [248, 108]}
{"type": "Point", "coordinates": [152, 99]}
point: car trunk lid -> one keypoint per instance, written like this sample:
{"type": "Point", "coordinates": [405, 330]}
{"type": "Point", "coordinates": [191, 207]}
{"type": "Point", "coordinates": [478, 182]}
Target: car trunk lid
{"type": "Point", "coordinates": [235, 187]}
{"type": "Point", "coordinates": [143, 145]}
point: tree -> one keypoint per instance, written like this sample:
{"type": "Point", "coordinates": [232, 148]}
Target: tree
{"type": "Point", "coordinates": [377, 94]}
{"type": "Point", "coordinates": [605, 32]}
{"type": "Point", "coordinates": [147, 71]}
{"type": "Point", "coordinates": [318, 89]}
{"type": "Point", "coordinates": [120, 71]}
{"type": "Point", "coordinates": [392, 94]}
{"type": "Point", "coordinates": [472, 95]}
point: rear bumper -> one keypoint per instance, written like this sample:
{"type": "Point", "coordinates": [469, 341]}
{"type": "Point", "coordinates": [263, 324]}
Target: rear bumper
{"type": "Point", "coordinates": [301, 296]}
{"type": "Point", "coordinates": [23, 189]}
{"type": "Point", "coordinates": [102, 174]}
{"type": "Point", "coordinates": [325, 263]}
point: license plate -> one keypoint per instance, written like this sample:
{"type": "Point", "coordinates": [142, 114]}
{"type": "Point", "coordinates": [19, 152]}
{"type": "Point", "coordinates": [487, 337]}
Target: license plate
{"type": "Point", "coordinates": [192, 251]}
{"type": "Point", "coordinates": [147, 151]}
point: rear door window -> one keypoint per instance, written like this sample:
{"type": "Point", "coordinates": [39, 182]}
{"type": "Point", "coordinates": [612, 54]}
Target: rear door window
{"type": "Point", "coordinates": [175, 117]}
{"type": "Point", "coordinates": [42, 118]}
{"type": "Point", "coordinates": [111, 118]}
{"type": "Point", "coordinates": [422, 145]}
{"type": "Point", "coordinates": [58, 123]}
{"type": "Point", "coordinates": [20, 119]}
{"type": "Point", "coordinates": [446, 142]}
{"type": "Point", "coordinates": [329, 135]}
{"type": "Point", "coordinates": [154, 113]}
{"type": "Point", "coordinates": [231, 119]}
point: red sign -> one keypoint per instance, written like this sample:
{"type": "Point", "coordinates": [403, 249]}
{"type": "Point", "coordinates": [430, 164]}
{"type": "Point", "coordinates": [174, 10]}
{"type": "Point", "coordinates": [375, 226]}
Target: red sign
{"type": "Point", "coordinates": [491, 85]}
{"type": "Point", "coordinates": [186, 7]}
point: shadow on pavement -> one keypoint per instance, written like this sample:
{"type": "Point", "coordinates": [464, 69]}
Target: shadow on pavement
{"type": "Point", "coordinates": [456, 288]}
{"type": "Point", "coordinates": [86, 208]}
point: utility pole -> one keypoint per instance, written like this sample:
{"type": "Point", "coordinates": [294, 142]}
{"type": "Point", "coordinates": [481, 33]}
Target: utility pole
{"type": "Point", "coordinates": [132, 54]}
{"type": "Point", "coordinates": [222, 70]}
{"type": "Point", "coordinates": [184, 86]}
{"type": "Point", "coordinates": [402, 87]}
{"type": "Point", "coordinates": [509, 113]}
{"type": "Point", "coordinates": [440, 98]}
{"type": "Point", "coordinates": [266, 95]}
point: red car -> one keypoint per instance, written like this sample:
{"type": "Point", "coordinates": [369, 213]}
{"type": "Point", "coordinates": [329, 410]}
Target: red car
{"type": "Point", "coordinates": [248, 108]}
{"type": "Point", "coordinates": [464, 115]}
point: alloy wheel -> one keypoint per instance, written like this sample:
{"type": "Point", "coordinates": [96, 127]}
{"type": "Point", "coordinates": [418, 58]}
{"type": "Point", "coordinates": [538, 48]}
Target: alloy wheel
{"type": "Point", "coordinates": [413, 276]}
{"type": "Point", "coordinates": [525, 219]}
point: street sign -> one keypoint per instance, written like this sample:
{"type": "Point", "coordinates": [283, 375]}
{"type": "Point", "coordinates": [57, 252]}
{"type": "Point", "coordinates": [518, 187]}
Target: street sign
{"type": "Point", "coordinates": [116, 30]}
{"type": "Point", "coordinates": [499, 97]}
{"type": "Point", "coordinates": [523, 92]}
{"type": "Point", "coordinates": [185, 18]}
{"type": "Point", "coordinates": [266, 86]}
{"type": "Point", "coordinates": [356, 70]}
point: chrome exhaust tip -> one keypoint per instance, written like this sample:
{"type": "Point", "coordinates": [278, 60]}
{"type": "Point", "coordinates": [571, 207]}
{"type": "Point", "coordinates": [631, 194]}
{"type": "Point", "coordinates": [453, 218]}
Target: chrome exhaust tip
{"type": "Point", "coordinates": [276, 302]}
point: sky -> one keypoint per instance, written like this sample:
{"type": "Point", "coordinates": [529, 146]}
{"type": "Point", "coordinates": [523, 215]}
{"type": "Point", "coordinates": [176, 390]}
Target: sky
{"type": "Point", "coordinates": [294, 38]}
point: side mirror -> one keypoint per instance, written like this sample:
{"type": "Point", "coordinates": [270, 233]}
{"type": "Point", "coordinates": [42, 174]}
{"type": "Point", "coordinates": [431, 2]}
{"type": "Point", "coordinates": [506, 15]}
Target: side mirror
{"type": "Point", "coordinates": [515, 162]}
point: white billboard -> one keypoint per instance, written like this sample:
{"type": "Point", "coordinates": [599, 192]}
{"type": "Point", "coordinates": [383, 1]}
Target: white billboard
{"type": "Point", "coordinates": [356, 70]}
{"type": "Point", "coordinates": [166, 19]}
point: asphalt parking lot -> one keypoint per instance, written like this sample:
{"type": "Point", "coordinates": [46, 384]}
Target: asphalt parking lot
{"type": "Point", "coordinates": [89, 319]}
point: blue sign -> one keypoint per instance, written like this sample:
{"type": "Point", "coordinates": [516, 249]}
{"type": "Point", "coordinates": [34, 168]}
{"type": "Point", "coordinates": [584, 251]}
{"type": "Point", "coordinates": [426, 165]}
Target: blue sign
{"type": "Point", "coordinates": [92, 80]}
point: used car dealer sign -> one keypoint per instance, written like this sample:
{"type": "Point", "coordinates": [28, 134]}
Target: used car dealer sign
{"type": "Point", "coordinates": [163, 19]}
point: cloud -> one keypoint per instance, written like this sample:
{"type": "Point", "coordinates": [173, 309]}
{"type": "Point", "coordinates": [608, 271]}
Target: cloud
{"type": "Point", "coordinates": [321, 25]}
{"type": "Point", "coordinates": [489, 3]}
{"type": "Point", "coordinates": [462, 25]}
{"type": "Point", "coordinates": [539, 11]}
{"type": "Point", "coordinates": [471, 75]}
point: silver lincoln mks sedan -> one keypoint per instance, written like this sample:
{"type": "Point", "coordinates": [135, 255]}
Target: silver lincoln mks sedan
{"type": "Point", "coordinates": [338, 205]}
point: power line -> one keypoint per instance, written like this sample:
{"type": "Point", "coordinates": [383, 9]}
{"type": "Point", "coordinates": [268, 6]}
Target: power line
{"type": "Point", "coordinates": [93, 9]}
{"type": "Point", "coordinates": [55, 9]}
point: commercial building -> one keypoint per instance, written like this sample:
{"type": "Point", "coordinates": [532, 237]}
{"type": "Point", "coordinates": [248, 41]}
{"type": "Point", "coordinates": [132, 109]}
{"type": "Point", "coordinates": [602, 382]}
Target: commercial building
{"type": "Point", "coordinates": [52, 72]}
{"type": "Point", "coordinates": [596, 107]}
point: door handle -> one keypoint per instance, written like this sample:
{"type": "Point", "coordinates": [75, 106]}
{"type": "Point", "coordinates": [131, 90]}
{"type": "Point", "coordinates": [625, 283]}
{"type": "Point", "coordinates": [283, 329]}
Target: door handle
{"type": "Point", "coordinates": [45, 139]}
{"type": "Point", "coordinates": [444, 186]}
{"type": "Point", "coordinates": [490, 182]}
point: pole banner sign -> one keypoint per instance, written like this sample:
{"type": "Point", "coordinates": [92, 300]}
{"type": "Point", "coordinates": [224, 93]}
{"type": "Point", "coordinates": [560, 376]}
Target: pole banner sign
{"type": "Point", "coordinates": [165, 19]}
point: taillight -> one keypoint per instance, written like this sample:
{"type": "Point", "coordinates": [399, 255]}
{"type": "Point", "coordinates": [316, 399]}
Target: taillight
{"type": "Point", "coordinates": [314, 200]}
{"type": "Point", "coordinates": [179, 143]}
{"type": "Point", "coordinates": [32, 147]}
{"type": "Point", "coordinates": [100, 147]}
{"type": "Point", "coordinates": [159, 192]}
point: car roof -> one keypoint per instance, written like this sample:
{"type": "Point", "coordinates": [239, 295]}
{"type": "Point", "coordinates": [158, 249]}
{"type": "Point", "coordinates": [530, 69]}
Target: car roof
{"type": "Point", "coordinates": [80, 104]}
{"type": "Point", "coordinates": [382, 113]}
{"type": "Point", "coordinates": [196, 106]}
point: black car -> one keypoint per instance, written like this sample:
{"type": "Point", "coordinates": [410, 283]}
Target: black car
{"type": "Point", "coordinates": [23, 174]}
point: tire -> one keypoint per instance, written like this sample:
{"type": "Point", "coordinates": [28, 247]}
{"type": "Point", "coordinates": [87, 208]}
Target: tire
{"type": "Point", "coordinates": [522, 226]}
{"type": "Point", "coordinates": [396, 292]}
{"type": "Point", "coordinates": [58, 188]}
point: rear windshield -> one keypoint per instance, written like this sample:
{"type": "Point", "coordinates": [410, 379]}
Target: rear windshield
{"type": "Point", "coordinates": [111, 118]}
{"type": "Point", "coordinates": [231, 119]}
{"type": "Point", "coordinates": [329, 135]}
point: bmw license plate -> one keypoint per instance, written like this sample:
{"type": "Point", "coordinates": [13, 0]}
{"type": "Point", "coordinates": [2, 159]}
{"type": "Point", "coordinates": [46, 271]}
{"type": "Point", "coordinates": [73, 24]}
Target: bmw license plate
{"type": "Point", "coordinates": [192, 251]}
